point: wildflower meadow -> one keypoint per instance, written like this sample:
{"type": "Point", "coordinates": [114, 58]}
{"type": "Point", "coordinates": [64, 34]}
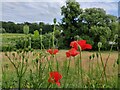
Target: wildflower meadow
{"type": "Point", "coordinates": [78, 56]}
{"type": "Point", "coordinates": [42, 69]}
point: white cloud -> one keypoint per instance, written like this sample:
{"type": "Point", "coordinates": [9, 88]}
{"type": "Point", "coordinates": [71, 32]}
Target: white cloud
{"type": "Point", "coordinates": [109, 7]}
{"type": "Point", "coordinates": [46, 11]}
{"type": "Point", "coordinates": [59, 0]}
{"type": "Point", "coordinates": [30, 11]}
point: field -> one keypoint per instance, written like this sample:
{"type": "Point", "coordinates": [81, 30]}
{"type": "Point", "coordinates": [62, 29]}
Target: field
{"type": "Point", "coordinates": [111, 71]}
{"type": "Point", "coordinates": [31, 68]}
{"type": "Point", "coordinates": [72, 47]}
{"type": "Point", "coordinates": [62, 57]}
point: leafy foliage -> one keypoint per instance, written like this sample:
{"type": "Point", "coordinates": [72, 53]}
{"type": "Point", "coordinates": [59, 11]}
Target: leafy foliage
{"type": "Point", "coordinates": [71, 13]}
{"type": "Point", "coordinates": [91, 22]}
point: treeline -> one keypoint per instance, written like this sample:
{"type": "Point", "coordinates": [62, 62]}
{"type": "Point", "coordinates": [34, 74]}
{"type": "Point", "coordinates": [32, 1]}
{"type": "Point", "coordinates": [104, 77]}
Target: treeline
{"type": "Point", "coordinates": [11, 27]}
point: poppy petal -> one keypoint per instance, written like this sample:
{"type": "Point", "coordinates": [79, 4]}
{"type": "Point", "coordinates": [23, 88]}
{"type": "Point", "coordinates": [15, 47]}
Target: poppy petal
{"type": "Point", "coordinates": [67, 54]}
{"type": "Point", "coordinates": [88, 46]}
{"type": "Point", "coordinates": [52, 51]}
{"type": "Point", "coordinates": [72, 52]}
{"type": "Point", "coordinates": [74, 44]}
{"type": "Point", "coordinates": [55, 51]}
{"type": "Point", "coordinates": [58, 83]}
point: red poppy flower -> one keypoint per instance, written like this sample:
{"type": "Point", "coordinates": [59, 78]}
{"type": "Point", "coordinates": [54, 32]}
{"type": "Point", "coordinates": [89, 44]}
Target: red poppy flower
{"type": "Point", "coordinates": [55, 77]}
{"type": "Point", "coordinates": [52, 51]}
{"type": "Point", "coordinates": [72, 52]}
{"type": "Point", "coordinates": [74, 44]}
{"type": "Point", "coordinates": [81, 43]}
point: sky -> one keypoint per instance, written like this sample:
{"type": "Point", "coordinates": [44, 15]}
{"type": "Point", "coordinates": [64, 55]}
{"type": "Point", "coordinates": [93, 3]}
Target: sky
{"type": "Point", "coordinates": [20, 11]}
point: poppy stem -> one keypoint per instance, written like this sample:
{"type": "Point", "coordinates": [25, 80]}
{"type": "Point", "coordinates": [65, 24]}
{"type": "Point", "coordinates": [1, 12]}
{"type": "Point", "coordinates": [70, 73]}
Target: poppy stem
{"type": "Point", "coordinates": [67, 72]}
{"type": "Point", "coordinates": [54, 35]}
{"type": "Point", "coordinates": [102, 66]}
{"type": "Point", "coordinates": [89, 69]}
{"type": "Point", "coordinates": [57, 65]}
{"type": "Point", "coordinates": [48, 85]}
{"type": "Point", "coordinates": [49, 65]}
{"type": "Point", "coordinates": [108, 58]}
{"type": "Point", "coordinates": [78, 72]}
{"type": "Point", "coordinates": [98, 66]}
{"type": "Point", "coordinates": [41, 38]}
{"type": "Point", "coordinates": [75, 64]}
{"type": "Point", "coordinates": [81, 70]}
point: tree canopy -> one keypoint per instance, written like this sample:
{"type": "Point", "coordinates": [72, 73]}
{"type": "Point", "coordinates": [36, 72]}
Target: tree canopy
{"type": "Point", "coordinates": [92, 24]}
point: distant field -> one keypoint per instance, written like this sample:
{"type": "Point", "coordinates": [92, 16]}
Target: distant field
{"type": "Point", "coordinates": [8, 39]}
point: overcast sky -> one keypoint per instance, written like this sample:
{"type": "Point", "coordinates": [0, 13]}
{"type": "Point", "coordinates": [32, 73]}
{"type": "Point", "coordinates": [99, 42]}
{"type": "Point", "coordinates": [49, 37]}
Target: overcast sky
{"type": "Point", "coordinates": [20, 11]}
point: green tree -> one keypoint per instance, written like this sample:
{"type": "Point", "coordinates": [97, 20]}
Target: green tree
{"type": "Point", "coordinates": [71, 13]}
{"type": "Point", "coordinates": [98, 25]}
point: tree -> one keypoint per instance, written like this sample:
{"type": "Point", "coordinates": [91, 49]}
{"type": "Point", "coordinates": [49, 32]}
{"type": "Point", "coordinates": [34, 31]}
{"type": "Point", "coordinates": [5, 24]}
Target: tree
{"type": "Point", "coordinates": [99, 25]}
{"type": "Point", "coordinates": [71, 13]}
{"type": "Point", "coordinates": [47, 28]}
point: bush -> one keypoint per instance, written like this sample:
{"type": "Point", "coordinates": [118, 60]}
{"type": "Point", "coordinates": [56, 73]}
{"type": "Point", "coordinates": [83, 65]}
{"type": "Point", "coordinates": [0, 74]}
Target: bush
{"type": "Point", "coordinates": [22, 43]}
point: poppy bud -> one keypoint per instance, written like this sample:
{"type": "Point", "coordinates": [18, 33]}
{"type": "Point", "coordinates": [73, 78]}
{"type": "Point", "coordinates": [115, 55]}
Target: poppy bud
{"type": "Point", "coordinates": [14, 49]}
{"type": "Point", "coordinates": [36, 60]}
{"type": "Point", "coordinates": [99, 44]}
{"type": "Point", "coordinates": [40, 29]}
{"type": "Point", "coordinates": [116, 36]}
{"type": "Point", "coordinates": [77, 37]}
{"type": "Point", "coordinates": [26, 60]}
{"type": "Point", "coordinates": [23, 55]}
{"type": "Point", "coordinates": [5, 53]}
{"type": "Point", "coordinates": [54, 20]}
{"type": "Point", "coordinates": [20, 50]}
{"type": "Point", "coordinates": [29, 48]}
{"type": "Point", "coordinates": [17, 51]}
{"type": "Point", "coordinates": [97, 55]}
{"type": "Point", "coordinates": [26, 49]}
{"type": "Point", "coordinates": [93, 55]}
{"type": "Point", "coordinates": [90, 57]}
{"type": "Point", "coordinates": [13, 54]}
{"type": "Point", "coordinates": [118, 61]}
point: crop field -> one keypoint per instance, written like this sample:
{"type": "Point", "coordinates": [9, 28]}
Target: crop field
{"type": "Point", "coordinates": [8, 39]}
